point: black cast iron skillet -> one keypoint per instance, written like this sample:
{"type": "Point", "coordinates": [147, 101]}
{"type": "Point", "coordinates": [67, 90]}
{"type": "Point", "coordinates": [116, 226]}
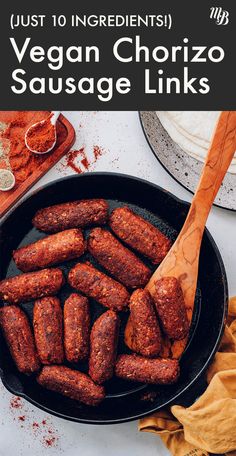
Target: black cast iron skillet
{"type": "Point", "coordinates": [125, 400]}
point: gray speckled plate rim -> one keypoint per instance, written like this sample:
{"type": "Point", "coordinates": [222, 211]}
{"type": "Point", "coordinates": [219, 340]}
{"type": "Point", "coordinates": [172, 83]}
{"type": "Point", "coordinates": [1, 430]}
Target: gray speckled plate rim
{"type": "Point", "coordinates": [175, 162]}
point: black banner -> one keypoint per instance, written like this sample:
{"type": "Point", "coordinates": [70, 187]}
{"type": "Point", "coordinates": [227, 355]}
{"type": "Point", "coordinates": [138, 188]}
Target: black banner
{"type": "Point", "coordinates": [163, 54]}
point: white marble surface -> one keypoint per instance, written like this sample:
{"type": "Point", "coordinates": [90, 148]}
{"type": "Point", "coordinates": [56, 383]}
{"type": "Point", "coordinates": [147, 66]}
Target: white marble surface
{"type": "Point", "coordinates": [126, 151]}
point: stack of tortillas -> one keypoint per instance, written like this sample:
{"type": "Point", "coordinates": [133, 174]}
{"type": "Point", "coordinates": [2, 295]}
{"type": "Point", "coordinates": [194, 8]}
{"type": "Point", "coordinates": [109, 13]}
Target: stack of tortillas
{"type": "Point", "coordinates": [192, 131]}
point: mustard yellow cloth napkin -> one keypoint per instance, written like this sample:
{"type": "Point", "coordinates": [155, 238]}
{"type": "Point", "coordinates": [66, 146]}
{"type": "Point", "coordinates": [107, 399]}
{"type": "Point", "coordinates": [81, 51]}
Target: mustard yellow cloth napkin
{"type": "Point", "coordinates": [209, 425]}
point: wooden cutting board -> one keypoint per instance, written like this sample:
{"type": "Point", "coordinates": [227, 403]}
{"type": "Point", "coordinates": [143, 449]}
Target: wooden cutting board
{"type": "Point", "coordinates": [33, 166]}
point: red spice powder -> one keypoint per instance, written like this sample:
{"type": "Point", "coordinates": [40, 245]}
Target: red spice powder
{"type": "Point", "coordinates": [97, 151]}
{"type": "Point", "coordinates": [16, 402]}
{"type": "Point", "coordinates": [85, 163]}
{"type": "Point", "coordinates": [41, 136]}
{"type": "Point", "coordinates": [35, 425]}
{"type": "Point", "coordinates": [44, 431]}
{"type": "Point", "coordinates": [73, 157]}
{"type": "Point", "coordinates": [49, 442]}
{"type": "Point", "coordinates": [78, 160]}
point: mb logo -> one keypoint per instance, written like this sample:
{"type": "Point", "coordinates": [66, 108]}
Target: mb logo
{"type": "Point", "coordinates": [221, 16]}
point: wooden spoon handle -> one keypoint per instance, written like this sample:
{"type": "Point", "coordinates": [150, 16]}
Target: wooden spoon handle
{"type": "Point", "coordinates": [184, 253]}
{"type": "Point", "coordinates": [183, 258]}
{"type": "Point", "coordinates": [216, 165]}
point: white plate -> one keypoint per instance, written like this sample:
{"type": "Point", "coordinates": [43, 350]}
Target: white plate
{"type": "Point", "coordinates": [183, 168]}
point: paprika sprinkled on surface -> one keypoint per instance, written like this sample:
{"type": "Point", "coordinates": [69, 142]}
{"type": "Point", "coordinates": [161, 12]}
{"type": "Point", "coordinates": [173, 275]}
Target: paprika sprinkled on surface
{"type": "Point", "coordinates": [79, 161]}
{"type": "Point", "coordinates": [49, 442]}
{"type": "Point", "coordinates": [97, 151]}
{"type": "Point", "coordinates": [85, 163]}
{"type": "Point", "coordinates": [35, 425]}
{"type": "Point", "coordinates": [16, 402]}
{"type": "Point", "coordinates": [72, 158]}
{"type": "Point", "coordinates": [43, 430]}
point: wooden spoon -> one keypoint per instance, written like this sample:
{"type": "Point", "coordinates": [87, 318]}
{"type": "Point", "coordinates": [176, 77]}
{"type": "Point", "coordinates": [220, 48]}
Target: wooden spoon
{"type": "Point", "coordinates": [183, 258]}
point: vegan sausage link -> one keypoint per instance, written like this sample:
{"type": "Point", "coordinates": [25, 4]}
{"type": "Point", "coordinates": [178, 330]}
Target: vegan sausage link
{"type": "Point", "coordinates": [47, 322]}
{"type": "Point", "coordinates": [17, 332]}
{"type": "Point", "coordinates": [139, 234]}
{"type": "Point", "coordinates": [31, 285]}
{"type": "Point", "coordinates": [93, 283]}
{"type": "Point", "coordinates": [76, 214]}
{"type": "Point", "coordinates": [51, 250]}
{"type": "Point", "coordinates": [144, 323]}
{"type": "Point", "coordinates": [71, 383]}
{"type": "Point", "coordinates": [117, 259]}
{"type": "Point", "coordinates": [146, 370]}
{"type": "Point", "coordinates": [76, 327]}
{"type": "Point", "coordinates": [169, 301]}
{"type": "Point", "coordinates": [103, 346]}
